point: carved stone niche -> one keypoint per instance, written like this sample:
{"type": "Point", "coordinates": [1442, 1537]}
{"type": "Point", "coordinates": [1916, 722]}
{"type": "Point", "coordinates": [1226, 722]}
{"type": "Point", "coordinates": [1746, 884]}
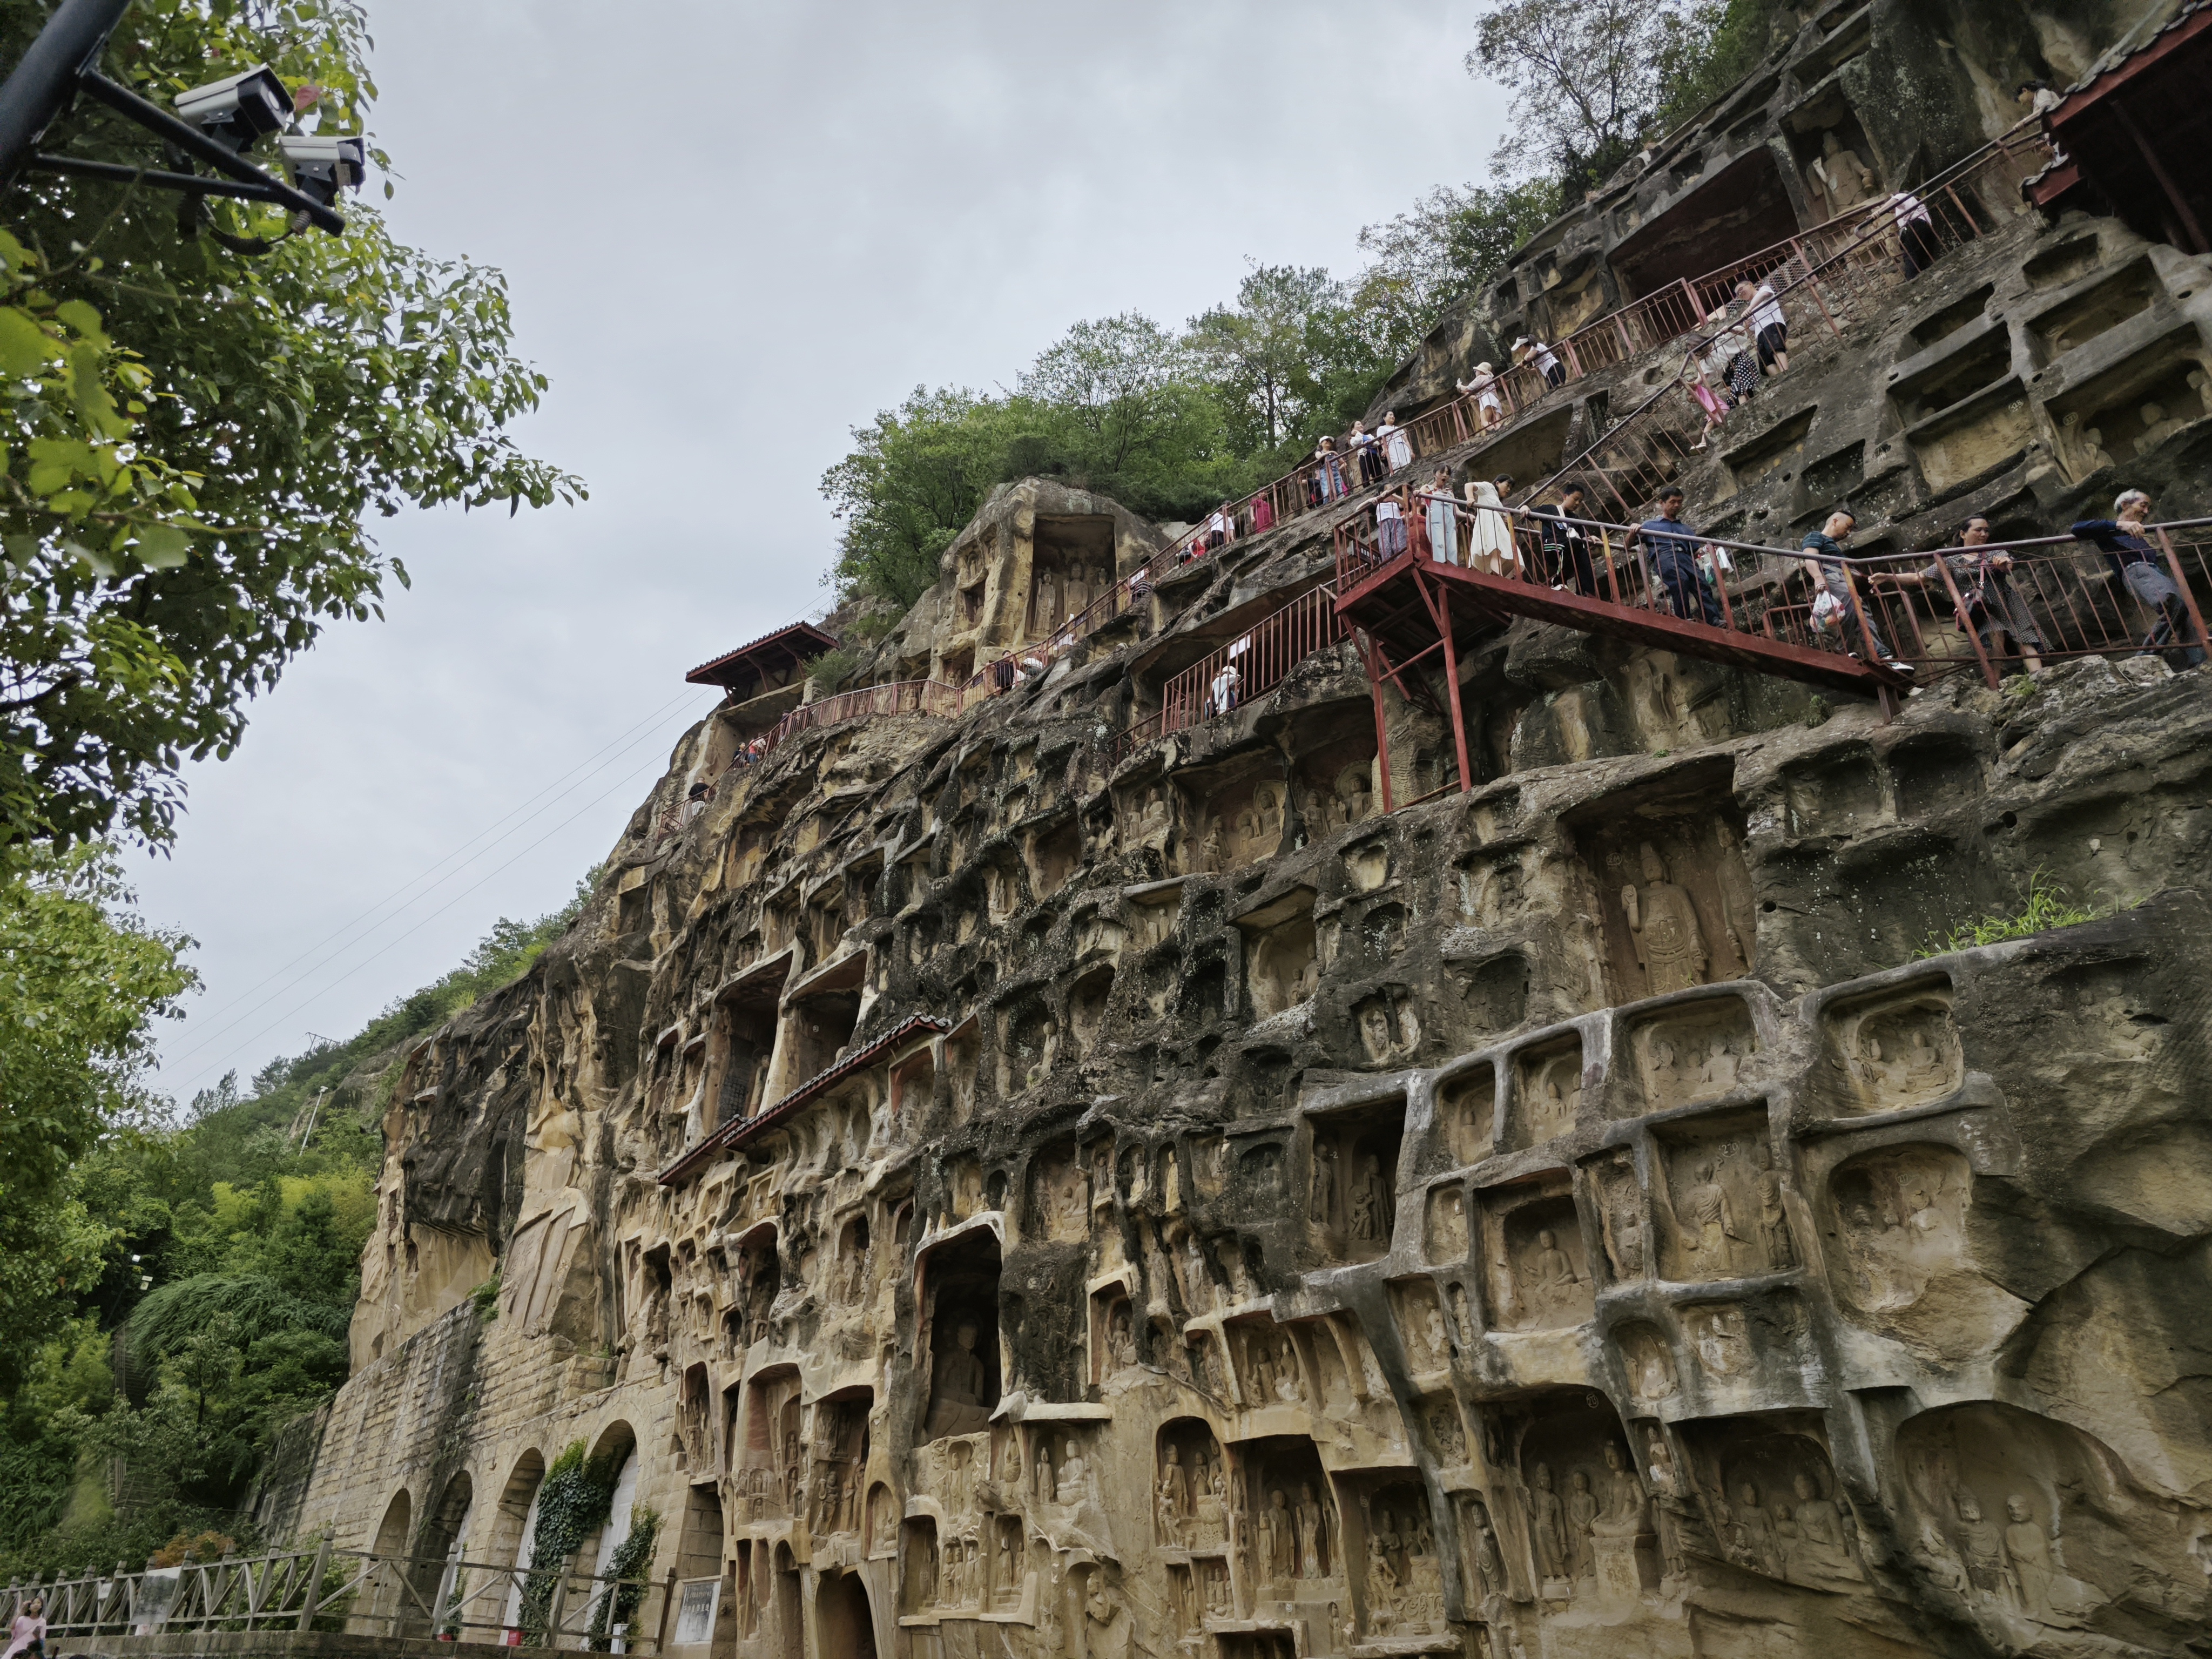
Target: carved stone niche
{"type": "Point", "coordinates": [1438, 1416]}
{"type": "Point", "coordinates": [1113, 1332]}
{"type": "Point", "coordinates": [1547, 1090]}
{"type": "Point", "coordinates": [1888, 1049]}
{"type": "Point", "coordinates": [1772, 1501]}
{"type": "Point", "coordinates": [1368, 862]}
{"type": "Point", "coordinates": [840, 1461]}
{"type": "Point", "coordinates": [1144, 816]}
{"type": "Point", "coordinates": [1444, 1231]}
{"type": "Point", "coordinates": [1292, 1540]}
{"type": "Point", "coordinates": [1388, 1026]}
{"type": "Point", "coordinates": [960, 1294]}
{"type": "Point", "coordinates": [1055, 854]}
{"type": "Point", "coordinates": [1491, 885]}
{"type": "Point", "coordinates": [768, 1470]}
{"type": "Point", "coordinates": [1624, 1216]}
{"type": "Point", "coordinates": [1236, 817]}
{"type": "Point", "coordinates": [1586, 1512]}
{"type": "Point", "coordinates": [1899, 1257]}
{"type": "Point", "coordinates": [1648, 1361]}
{"type": "Point", "coordinates": [1695, 1051]}
{"type": "Point", "coordinates": [1483, 1569]}
{"type": "Point", "coordinates": [1423, 1330]}
{"type": "Point", "coordinates": [2036, 1527]}
{"type": "Point", "coordinates": [1467, 1114]}
{"type": "Point", "coordinates": [1493, 995]}
{"type": "Point", "coordinates": [1190, 1489]}
{"type": "Point", "coordinates": [920, 1579]}
{"type": "Point", "coordinates": [1666, 874]}
{"type": "Point", "coordinates": [1759, 1345]}
{"type": "Point", "coordinates": [1333, 770]}
{"type": "Point", "coordinates": [1281, 970]}
{"type": "Point", "coordinates": [1351, 1186]}
{"type": "Point", "coordinates": [1390, 1547]}
{"type": "Point", "coordinates": [1086, 1007]}
{"type": "Point", "coordinates": [1720, 1207]}
{"type": "Point", "coordinates": [1534, 1275]}
{"type": "Point", "coordinates": [1029, 1044]}
{"type": "Point", "coordinates": [1269, 1372]}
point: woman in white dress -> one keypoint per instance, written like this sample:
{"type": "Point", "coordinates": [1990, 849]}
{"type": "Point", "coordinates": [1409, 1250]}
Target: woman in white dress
{"type": "Point", "coordinates": [1397, 448]}
{"type": "Point", "coordinates": [1490, 408]}
{"type": "Point", "coordinates": [1494, 535]}
{"type": "Point", "coordinates": [1444, 520]}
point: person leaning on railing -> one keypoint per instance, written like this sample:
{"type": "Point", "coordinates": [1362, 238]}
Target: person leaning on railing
{"type": "Point", "coordinates": [2136, 561]}
{"type": "Point", "coordinates": [1489, 406]}
{"type": "Point", "coordinates": [1673, 549]}
{"type": "Point", "coordinates": [1989, 605]}
{"type": "Point", "coordinates": [1835, 601]}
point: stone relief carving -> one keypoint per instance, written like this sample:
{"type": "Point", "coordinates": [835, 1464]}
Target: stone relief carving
{"type": "Point", "coordinates": [1670, 945]}
{"type": "Point", "coordinates": [1447, 1228]}
{"type": "Point", "coordinates": [1725, 1199]}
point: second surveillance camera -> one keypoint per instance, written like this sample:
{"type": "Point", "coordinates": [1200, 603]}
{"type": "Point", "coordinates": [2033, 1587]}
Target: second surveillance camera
{"type": "Point", "coordinates": [321, 166]}
{"type": "Point", "coordinates": [240, 108]}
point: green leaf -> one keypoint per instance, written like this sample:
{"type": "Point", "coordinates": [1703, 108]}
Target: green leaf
{"type": "Point", "coordinates": [163, 547]}
{"type": "Point", "coordinates": [76, 314]}
{"type": "Point", "coordinates": [25, 348]}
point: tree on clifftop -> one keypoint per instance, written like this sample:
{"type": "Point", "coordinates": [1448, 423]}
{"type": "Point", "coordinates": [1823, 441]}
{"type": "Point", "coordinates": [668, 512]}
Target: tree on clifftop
{"type": "Point", "coordinates": [196, 435]}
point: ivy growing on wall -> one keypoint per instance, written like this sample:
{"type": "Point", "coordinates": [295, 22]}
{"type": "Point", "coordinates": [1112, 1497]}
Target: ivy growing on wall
{"type": "Point", "coordinates": [572, 1504]}
{"type": "Point", "coordinates": [632, 1560]}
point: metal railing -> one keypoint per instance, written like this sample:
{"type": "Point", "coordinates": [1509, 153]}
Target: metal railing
{"type": "Point", "coordinates": [327, 1589]}
{"type": "Point", "coordinates": [1845, 269]}
{"type": "Point", "coordinates": [1250, 665]}
{"type": "Point", "coordinates": [2000, 607]}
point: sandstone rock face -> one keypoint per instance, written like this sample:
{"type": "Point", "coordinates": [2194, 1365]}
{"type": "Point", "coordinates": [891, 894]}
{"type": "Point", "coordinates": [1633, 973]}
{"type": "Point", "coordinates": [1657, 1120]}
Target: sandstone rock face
{"type": "Point", "coordinates": [999, 1188]}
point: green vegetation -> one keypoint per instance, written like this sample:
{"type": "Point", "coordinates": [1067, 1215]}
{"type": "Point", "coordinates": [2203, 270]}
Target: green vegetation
{"type": "Point", "coordinates": [2045, 907]}
{"type": "Point", "coordinates": [632, 1560]}
{"type": "Point", "coordinates": [571, 1502]}
{"type": "Point", "coordinates": [197, 429]}
{"type": "Point", "coordinates": [172, 1294]}
{"type": "Point", "coordinates": [1169, 423]}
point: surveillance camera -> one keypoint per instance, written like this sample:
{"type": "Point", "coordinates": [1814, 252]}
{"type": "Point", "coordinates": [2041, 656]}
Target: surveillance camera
{"type": "Point", "coordinates": [320, 166]}
{"type": "Point", "coordinates": [238, 109]}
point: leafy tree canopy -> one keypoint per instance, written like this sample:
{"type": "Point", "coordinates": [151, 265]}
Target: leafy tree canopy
{"type": "Point", "coordinates": [197, 438]}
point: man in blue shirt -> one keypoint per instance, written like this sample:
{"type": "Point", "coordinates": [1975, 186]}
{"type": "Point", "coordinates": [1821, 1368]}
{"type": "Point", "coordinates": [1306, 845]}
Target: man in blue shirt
{"type": "Point", "coordinates": [1673, 548]}
{"type": "Point", "coordinates": [1833, 577]}
{"type": "Point", "coordinates": [2136, 564]}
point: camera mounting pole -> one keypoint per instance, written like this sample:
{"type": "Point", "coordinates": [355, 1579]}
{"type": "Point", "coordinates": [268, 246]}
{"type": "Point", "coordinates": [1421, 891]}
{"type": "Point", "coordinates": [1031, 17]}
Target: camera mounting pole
{"type": "Point", "coordinates": [62, 62]}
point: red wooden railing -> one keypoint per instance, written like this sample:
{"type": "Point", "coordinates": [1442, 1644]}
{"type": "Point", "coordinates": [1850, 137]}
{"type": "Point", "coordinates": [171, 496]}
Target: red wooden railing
{"type": "Point", "coordinates": [1250, 665]}
{"type": "Point", "coordinates": [2053, 597]}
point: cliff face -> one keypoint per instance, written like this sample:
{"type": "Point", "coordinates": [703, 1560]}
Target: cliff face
{"type": "Point", "coordinates": [1007, 1186]}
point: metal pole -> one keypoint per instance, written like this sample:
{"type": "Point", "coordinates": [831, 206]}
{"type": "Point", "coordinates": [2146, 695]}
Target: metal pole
{"type": "Point", "coordinates": [39, 88]}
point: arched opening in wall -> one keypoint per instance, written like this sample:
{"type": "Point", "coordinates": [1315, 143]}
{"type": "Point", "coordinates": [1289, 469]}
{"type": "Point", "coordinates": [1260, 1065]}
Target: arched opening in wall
{"type": "Point", "coordinates": [789, 1639]}
{"type": "Point", "coordinates": [766, 1464]}
{"type": "Point", "coordinates": [390, 1549]}
{"type": "Point", "coordinates": [1575, 1464]}
{"type": "Point", "coordinates": [844, 1623]}
{"type": "Point", "coordinates": [699, 1545]}
{"type": "Point", "coordinates": [818, 1026]}
{"type": "Point", "coordinates": [515, 1529]}
{"type": "Point", "coordinates": [961, 1290]}
{"type": "Point", "coordinates": [1071, 563]}
{"type": "Point", "coordinates": [695, 1445]}
{"type": "Point", "coordinates": [444, 1533]}
{"type": "Point", "coordinates": [616, 1449]}
{"type": "Point", "coordinates": [760, 1279]}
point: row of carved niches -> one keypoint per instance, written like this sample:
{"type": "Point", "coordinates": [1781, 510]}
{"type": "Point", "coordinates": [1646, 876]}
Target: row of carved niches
{"type": "Point", "coordinates": [1761, 1496]}
{"type": "Point", "coordinates": [1887, 1049]}
{"type": "Point", "coordinates": [2029, 1528]}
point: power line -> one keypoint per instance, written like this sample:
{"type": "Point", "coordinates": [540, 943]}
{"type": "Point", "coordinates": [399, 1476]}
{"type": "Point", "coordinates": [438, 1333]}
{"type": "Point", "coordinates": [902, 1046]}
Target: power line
{"type": "Point", "coordinates": [488, 875]}
{"type": "Point", "coordinates": [238, 1008]}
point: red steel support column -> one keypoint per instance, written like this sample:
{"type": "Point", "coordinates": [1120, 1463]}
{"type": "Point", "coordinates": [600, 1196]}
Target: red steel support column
{"type": "Point", "coordinates": [1367, 651]}
{"type": "Point", "coordinates": [1440, 609]}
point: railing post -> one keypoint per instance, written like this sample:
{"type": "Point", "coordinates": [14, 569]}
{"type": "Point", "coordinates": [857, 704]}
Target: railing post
{"type": "Point", "coordinates": [1812, 281]}
{"type": "Point", "coordinates": [1959, 609]}
{"type": "Point", "coordinates": [309, 1603]}
{"type": "Point", "coordinates": [2188, 594]}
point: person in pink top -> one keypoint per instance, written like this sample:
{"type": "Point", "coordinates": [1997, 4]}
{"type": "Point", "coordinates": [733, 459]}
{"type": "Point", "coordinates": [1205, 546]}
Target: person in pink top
{"type": "Point", "coordinates": [27, 1635]}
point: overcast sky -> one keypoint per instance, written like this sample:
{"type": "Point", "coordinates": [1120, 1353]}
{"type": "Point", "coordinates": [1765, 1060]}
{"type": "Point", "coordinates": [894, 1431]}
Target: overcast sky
{"type": "Point", "coordinates": [731, 232]}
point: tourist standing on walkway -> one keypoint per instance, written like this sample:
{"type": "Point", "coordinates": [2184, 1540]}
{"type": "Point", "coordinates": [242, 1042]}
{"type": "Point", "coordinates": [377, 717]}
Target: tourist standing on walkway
{"type": "Point", "coordinates": [1442, 515]}
{"type": "Point", "coordinates": [2135, 562]}
{"type": "Point", "coordinates": [1916, 233]}
{"type": "Point", "coordinates": [1397, 448]}
{"type": "Point", "coordinates": [1673, 546]}
{"type": "Point", "coordinates": [1328, 473]}
{"type": "Point", "coordinates": [1831, 583]}
{"type": "Point", "coordinates": [1493, 533]}
{"type": "Point", "coordinates": [1370, 458]}
{"type": "Point", "coordinates": [1221, 528]}
{"type": "Point", "coordinates": [1565, 544]}
{"type": "Point", "coordinates": [1489, 407]}
{"type": "Point", "coordinates": [1988, 602]}
{"type": "Point", "coordinates": [1263, 515]}
{"type": "Point", "coordinates": [1390, 525]}
{"type": "Point", "coordinates": [1769, 324]}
